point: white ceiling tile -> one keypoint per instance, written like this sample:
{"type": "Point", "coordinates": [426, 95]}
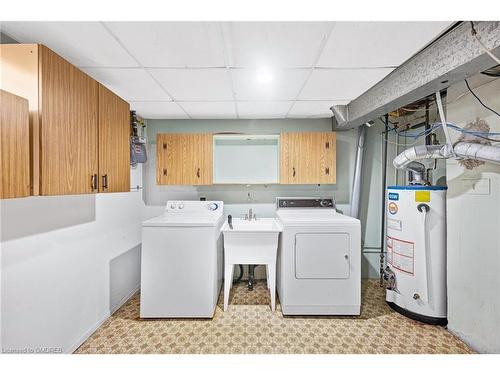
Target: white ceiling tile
{"type": "Point", "coordinates": [158, 110]}
{"type": "Point", "coordinates": [274, 44]}
{"type": "Point", "coordinates": [285, 84]}
{"type": "Point", "coordinates": [172, 44]}
{"type": "Point", "coordinates": [130, 84]}
{"type": "Point", "coordinates": [195, 84]}
{"type": "Point", "coordinates": [259, 110]}
{"type": "Point", "coordinates": [201, 110]}
{"type": "Point", "coordinates": [341, 84]}
{"type": "Point", "coordinates": [377, 44]}
{"type": "Point", "coordinates": [314, 109]}
{"type": "Point", "coordinates": [81, 43]}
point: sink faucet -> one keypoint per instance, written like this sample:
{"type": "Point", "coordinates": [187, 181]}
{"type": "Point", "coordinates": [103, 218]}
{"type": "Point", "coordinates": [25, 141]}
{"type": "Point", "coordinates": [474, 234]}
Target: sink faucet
{"type": "Point", "coordinates": [249, 216]}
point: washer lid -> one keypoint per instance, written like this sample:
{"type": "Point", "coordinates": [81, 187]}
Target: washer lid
{"type": "Point", "coordinates": [313, 216]}
{"type": "Point", "coordinates": [183, 220]}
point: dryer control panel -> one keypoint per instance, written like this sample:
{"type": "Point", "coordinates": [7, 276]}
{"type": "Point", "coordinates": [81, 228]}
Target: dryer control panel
{"type": "Point", "coordinates": [305, 202]}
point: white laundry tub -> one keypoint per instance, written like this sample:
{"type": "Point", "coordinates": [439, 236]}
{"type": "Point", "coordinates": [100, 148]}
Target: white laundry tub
{"type": "Point", "coordinates": [251, 242]}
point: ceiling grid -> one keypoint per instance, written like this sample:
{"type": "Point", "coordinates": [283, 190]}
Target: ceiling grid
{"type": "Point", "coordinates": [233, 69]}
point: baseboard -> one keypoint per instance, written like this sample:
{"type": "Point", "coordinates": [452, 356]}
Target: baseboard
{"type": "Point", "coordinates": [124, 299]}
{"type": "Point", "coordinates": [94, 328]}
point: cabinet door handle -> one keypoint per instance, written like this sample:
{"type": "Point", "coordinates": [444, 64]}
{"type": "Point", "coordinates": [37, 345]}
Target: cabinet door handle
{"type": "Point", "coordinates": [293, 172]}
{"type": "Point", "coordinates": [164, 146]}
{"type": "Point", "coordinates": [327, 145]}
{"type": "Point", "coordinates": [93, 182]}
{"type": "Point", "coordinates": [327, 170]}
{"type": "Point", "coordinates": [164, 171]}
{"type": "Point", "coordinates": [105, 181]}
{"type": "Point", "coordinates": [198, 173]}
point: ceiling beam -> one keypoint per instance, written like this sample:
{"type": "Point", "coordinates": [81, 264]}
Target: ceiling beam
{"type": "Point", "coordinates": [451, 58]}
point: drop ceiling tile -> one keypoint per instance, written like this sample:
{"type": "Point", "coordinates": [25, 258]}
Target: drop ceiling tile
{"type": "Point", "coordinates": [172, 44]}
{"type": "Point", "coordinates": [207, 110]}
{"type": "Point", "coordinates": [274, 44]}
{"type": "Point", "coordinates": [158, 110]}
{"type": "Point", "coordinates": [130, 84]}
{"type": "Point", "coordinates": [285, 84]}
{"type": "Point", "coordinates": [314, 109]}
{"type": "Point", "coordinates": [81, 43]}
{"type": "Point", "coordinates": [263, 110]}
{"type": "Point", "coordinates": [377, 44]}
{"type": "Point", "coordinates": [195, 84]}
{"type": "Point", "coordinates": [341, 84]}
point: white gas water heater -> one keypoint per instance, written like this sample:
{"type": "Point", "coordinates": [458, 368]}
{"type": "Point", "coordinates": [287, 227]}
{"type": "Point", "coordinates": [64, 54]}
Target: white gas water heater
{"type": "Point", "coordinates": [416, 252]}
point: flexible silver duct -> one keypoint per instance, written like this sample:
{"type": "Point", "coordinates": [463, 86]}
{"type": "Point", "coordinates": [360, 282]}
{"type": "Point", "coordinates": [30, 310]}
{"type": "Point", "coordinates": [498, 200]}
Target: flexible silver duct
{"type": "Point", "coordinates": [462, 150]}
{"type": "Point", "coordinates": [421, 152]}
{"type": "Point", "coordinates": [477, 151]}
{"type": "Point", "coordinates": [357, 179]}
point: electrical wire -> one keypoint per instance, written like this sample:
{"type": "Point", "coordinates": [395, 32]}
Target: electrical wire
{"type": "Point", "coordinates": [479, 99]}
{"type": "Point", "coordinates": [436, 126]}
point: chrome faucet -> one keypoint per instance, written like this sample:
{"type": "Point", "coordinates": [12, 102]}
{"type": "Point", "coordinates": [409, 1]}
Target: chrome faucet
{"type": "Point", "coordinates": [249, 215]}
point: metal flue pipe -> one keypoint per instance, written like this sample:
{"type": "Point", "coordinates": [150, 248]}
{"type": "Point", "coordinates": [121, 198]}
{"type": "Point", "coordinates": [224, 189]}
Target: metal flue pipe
{"type": "Point", "coordinates": [358, 169]}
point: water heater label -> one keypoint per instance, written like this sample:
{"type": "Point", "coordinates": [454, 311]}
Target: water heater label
{"type": "Point", "coordinates": [423, 196]}
{"type": "Point", "coordinates": [393, 196]}
{"type": "Point", "coordinates": [401, 255]}
{"type": "Point", "coordinates": [393, 208]}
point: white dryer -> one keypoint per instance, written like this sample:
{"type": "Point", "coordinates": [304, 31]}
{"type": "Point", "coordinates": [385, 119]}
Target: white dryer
{"type": "Point", "coordinates": [319, 258]}
{"type": "Point", "coordinates": [182, 261]}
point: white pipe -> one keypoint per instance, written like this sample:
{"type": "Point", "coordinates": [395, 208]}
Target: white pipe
{"type": "Point", "coordinates": [444, 123]}
{"type": "Point", "coordinates": [477, 151]}
{"type": "Point", "coordinates": [357, 179]}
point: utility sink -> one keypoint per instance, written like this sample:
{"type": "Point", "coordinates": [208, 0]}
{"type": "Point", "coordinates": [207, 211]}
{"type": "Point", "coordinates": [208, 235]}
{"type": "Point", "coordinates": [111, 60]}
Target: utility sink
{"type": "Point", "coordinates": [251, 242]}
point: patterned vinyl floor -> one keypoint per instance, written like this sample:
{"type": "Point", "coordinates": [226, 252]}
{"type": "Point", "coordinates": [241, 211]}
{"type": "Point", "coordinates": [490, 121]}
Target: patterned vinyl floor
{"type": "Point", "coordinates": [249, 326]}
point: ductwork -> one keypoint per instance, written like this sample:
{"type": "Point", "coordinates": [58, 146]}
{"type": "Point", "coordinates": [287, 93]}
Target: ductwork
{"type": "Point", "coordinates": [420, 153]}
{"type": "Point", "coordinates": [341, 114]}
{"type": "Point", "coordinates": [462, 150]}
{"type": "Point", "coordinates": [477, 151]}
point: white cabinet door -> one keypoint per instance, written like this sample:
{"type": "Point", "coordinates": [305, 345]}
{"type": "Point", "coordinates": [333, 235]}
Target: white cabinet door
{"type": "Point", "coordinates": [322, 255]}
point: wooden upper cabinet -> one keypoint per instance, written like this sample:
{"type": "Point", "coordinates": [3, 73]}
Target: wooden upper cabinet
{"type": "Point", "coordinates": [308, 158]}
{"type": "Point", "coordinates": [114, 142]}
{"type": "Point", "coordinates": [68, 128]}
{"type": "Point", "coordinates": [71, 128]}
{"type": "Point", "coordinates": [19, 76]}
{"type": "Point", "coordinates": [14, 146]}
{"type": "Point", "coordinates": [184, 159]}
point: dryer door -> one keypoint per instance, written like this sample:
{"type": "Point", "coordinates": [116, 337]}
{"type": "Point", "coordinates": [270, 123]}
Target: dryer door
{"type": "Point", "coordinates": [322, 255]}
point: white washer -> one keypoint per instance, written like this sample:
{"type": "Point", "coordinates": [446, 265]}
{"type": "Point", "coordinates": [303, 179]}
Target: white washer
{"type": "Point", "coordinates": [182, 261]}
{"type": "Point", "coordinates": [319, 258]}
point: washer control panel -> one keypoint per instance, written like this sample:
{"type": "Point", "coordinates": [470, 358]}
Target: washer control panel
{"type": "Point", "coordinates": [305, 202]}
{"type": "Point", "coordinates": [194, 206]}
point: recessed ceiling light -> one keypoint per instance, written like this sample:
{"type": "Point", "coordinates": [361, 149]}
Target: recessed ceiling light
{"type": "Point", "coordinates": [264, 75]}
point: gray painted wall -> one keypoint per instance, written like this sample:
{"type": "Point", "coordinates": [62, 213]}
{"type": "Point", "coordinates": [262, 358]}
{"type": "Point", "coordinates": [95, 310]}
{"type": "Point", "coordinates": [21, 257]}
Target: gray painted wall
{"type": "Point", "coordinates": [262, 197]}
{"type": "Point", "coordinates": [158, 195]}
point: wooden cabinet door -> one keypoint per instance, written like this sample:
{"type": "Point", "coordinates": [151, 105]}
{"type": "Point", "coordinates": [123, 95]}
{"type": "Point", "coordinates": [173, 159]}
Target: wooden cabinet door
{"type": "Point", "coordinates": [327, 158]}
{"type": "Point", "coordinates": [198, 168]}
{"type": "Point", "coordinates": [169, 150]}
{"type": "Point", "coordinates": [184, 159]}
{"type": "Point", "coordinates": [14, 146]}
{"type": "Point", "coordinates": [307, 158]}
{"type": "Point", "coordinates": [68, 137]}
{"type": "Point", "coordinates": [114, 142]}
